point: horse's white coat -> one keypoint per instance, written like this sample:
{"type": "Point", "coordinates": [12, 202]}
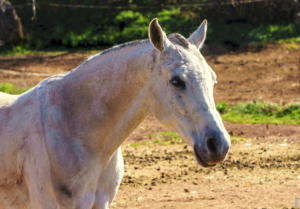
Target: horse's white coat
{"type": "Point", "coordinates": [60, 141]}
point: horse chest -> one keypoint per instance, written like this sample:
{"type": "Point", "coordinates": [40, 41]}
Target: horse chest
{"type": "Point", "coordinates": [13, 192]}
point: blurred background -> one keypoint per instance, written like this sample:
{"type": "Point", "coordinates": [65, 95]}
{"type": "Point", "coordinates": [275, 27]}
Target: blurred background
{"type": "Point", "coordinates": [77, 23]}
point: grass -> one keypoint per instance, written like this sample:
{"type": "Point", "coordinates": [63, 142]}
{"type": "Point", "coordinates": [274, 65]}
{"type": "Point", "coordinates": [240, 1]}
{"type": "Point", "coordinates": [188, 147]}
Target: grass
{"type": "Point", "coordinates": [140, 144]}
{"type": "Point", "coordinates": [8, 51]}
{"type": "Point", "coordinates": [161, 138]}
{"type": "Point", "coordinates": [236, 139]}
{"type": "Point", "coordinates": [24, 51]}
{"type": "Point", "coordinates": [12, 89]}
{"type": "Point", "coordinates": [168, 138]}
{"type": "Point", "coordinates": [260, 112]}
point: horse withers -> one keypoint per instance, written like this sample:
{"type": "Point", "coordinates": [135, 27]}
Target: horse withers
{"type": "Point", "coordinates": [60, 141]}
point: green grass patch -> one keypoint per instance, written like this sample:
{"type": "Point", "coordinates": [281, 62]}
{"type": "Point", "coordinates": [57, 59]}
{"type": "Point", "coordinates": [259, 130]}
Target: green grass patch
{"type": "Point", "coordinates": [12, 89]}
{"type": "Point", "coordinates": [293, 46]}
{"type": "Point", "coordinates": [140, 144]}
{"type": "Point", "coordinates": [260, 112]}
{"type": "Point", "coordinates": [26, 51]}
{"type": "Point", "coordinates": [23, 50]}
{"type": "Point", "coordinates": [236, 139]}
{"type": "Point", "coordinates": [166, 138]}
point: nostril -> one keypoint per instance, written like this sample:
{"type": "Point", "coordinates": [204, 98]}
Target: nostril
{"type": "Point", "coordinates": [211, 145]}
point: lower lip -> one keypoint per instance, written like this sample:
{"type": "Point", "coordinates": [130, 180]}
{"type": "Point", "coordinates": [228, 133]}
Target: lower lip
{"type": "Point", "coordinates": [200, 160]}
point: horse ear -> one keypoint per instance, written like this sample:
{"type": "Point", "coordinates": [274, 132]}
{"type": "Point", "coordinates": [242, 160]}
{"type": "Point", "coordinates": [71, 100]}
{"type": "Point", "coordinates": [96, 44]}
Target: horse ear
{"type": "Point", "coordinates": [157, 36]}
{"type": "Point", "coordinates": [198, 37]}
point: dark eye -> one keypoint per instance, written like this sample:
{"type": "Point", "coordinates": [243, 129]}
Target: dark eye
{"type": "Point", "coordinates": [177, 82]}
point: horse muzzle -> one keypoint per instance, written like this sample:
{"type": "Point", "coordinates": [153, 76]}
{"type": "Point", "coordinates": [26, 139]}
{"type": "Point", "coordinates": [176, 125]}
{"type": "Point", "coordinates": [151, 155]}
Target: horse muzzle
{"type": "Point", "coordinates": [213, 151]}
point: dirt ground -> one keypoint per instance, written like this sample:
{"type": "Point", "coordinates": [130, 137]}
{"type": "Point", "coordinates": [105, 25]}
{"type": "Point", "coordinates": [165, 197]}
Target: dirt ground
{"type": "Point", "coordinates": [256, 174]}
{"type": "Point", "coordinates": [260, 172]}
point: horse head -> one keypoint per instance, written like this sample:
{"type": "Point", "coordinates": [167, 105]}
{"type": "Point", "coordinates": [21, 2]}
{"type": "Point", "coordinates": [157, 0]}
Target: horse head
{"type": "Point", "coordinates": [182, 93]}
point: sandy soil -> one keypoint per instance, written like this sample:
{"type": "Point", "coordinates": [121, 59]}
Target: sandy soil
{"type": "Point", "coordinates": [255, 175]}
{"type": "Point", "coordinates": [270, 75]}
{"type": "Point", "coordinates": [261, 172]}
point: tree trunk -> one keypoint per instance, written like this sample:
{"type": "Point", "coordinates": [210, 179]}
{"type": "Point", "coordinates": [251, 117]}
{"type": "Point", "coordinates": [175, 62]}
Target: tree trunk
{"type": "Point", "coordinates": [10, 24]}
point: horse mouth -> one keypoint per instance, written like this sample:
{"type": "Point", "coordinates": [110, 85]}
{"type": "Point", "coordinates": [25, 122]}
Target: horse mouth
{"type": "Point", "coordinates": [200, 160]}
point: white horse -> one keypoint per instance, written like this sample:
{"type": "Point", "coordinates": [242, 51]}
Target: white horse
{"type": "Point", "coordinates": [60, 142]}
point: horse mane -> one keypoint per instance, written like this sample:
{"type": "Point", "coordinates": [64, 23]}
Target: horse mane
{"type": "Point", "coordinates": [115, 48]}
{"type": "Point", "coordinates": [180, 40]}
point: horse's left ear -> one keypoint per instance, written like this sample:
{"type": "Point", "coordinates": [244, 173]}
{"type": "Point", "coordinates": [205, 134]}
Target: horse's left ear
{"type": "Point", "coordinates": [158, 37]}
{"type": "Point", "coordinates": [198, 37]}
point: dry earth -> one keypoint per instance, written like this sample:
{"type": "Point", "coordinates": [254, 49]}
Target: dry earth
{"type": "Point", "coordinates": [255, 175]}
{"type": "Point", "coordinates": [261, 172]}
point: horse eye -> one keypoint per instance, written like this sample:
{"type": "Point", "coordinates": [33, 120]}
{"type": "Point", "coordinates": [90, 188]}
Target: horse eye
{"type": "Point", "coordinates": [177, 82]}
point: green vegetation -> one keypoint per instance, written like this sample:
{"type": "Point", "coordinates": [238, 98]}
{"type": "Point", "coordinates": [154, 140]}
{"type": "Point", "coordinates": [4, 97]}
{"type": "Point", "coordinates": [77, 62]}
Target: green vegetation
{"type": "Point", "coordinates": [161, 138]}
{"type": "Point", "coordinates": [236, 139]}
{"type": "Point", "coordinates": [168, 138]}
{"type": "Point", "coordinates": [140, 144]}
{"type": "Point", "coordinates": [260, 112]}
{"type": "Point", "coordinates": [88, 28]}
{"type": "Point", "coordinates": [26, 50]}
{"type": "Point", "coordinates": [12, 89]}
{"type": "Point", "coordinates": [172, 21]}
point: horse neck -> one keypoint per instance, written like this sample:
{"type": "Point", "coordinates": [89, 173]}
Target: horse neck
{"type": "Point", "coordinates": [108, 94]}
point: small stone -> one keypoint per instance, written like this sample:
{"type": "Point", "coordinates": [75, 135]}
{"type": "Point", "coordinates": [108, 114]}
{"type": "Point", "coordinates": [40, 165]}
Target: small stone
{"type": "Point", "coordinates": [150, 188]}
{"type": "Point", "coordinates": [186, 190]}
{"type": "Point", "coordinates": [218, 61]}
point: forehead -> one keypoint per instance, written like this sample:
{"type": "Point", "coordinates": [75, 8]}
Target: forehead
{"type": "Point", "coordinates": [185, 57]}
{"type": "Point", "coordinates": [178, 39]}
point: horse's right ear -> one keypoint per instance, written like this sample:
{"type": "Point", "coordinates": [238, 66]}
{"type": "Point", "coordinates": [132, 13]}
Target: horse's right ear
{"type": "Point", "coordinates": [158, 37]}
{"type": "Point", "coordinates": [198, 37]}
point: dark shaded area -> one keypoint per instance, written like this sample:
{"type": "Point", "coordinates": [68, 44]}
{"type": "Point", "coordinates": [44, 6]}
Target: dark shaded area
{"type": "Point", "coordinates": [77, 23]}
{"type": "Point", "coordinates": [65, 191]}
{"type": "Point", "coordinates": [10, 24]}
